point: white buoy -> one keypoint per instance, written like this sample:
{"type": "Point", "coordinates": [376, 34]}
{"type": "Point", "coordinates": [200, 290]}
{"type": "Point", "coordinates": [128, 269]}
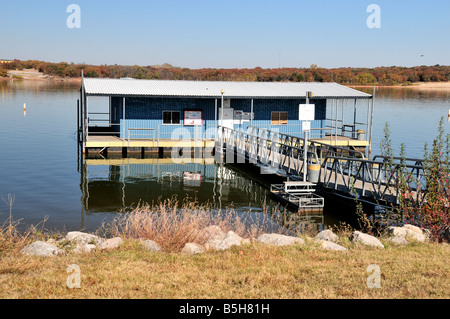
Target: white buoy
{"type": "Point", "coordinates": [24, 109]}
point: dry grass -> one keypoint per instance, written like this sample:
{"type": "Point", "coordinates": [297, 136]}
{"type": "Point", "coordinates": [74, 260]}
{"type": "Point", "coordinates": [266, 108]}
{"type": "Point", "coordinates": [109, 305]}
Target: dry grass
{"type": "Point", "coordinates": [252, 271]}
{"type": "Point", "coordinates": [172, 224]}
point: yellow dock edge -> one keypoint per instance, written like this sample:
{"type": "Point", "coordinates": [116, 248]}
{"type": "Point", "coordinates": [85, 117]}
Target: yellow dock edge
{"type": "Point", "coordinates": [149, 143]}
{"type": "Point", "coordinates": [148, 161]}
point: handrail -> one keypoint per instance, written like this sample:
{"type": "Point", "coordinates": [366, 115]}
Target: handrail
{"type": "Point", "coordinates": [383, 176]}
{"type": "Point", "coordinates": [266, 149]}
{"type": "Point", "coordinates": [321, 144]}
{"type": "Point", "coordinates": [141, 129]}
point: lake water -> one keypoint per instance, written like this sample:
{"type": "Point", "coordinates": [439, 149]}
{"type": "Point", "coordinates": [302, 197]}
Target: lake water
{"type": "Point", "coordinates": [41, 168]}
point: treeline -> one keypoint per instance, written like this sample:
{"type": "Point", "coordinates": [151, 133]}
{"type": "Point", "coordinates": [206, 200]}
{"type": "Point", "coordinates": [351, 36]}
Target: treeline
{"type": "Point", "coordinates": [379, 75]}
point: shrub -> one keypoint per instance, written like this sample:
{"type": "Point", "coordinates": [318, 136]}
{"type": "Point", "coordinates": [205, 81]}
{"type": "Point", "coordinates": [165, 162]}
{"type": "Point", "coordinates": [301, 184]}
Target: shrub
{"type": "Point", "coordinates": [172, 224]}
{"type": "Point", "coordinates": [429, 208]}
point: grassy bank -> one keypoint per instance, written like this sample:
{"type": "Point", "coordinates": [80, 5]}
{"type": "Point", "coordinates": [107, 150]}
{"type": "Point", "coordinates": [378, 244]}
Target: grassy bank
{"type": "Point", "coordinates": [253, 271]}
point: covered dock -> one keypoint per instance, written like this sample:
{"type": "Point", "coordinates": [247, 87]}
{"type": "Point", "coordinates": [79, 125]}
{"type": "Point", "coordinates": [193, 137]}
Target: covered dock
{"type": "Point", "coordinates": [155, 115]}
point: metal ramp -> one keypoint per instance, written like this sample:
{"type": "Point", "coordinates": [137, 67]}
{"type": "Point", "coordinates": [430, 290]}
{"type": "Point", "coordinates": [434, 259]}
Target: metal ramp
{"type": "Point", "coordinates": [299, 193]}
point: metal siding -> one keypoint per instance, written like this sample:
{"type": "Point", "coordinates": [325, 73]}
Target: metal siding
{"type": "Point", "coordinates": [212, 89]}
{"type": "Point", "coordinates": [143, 112]}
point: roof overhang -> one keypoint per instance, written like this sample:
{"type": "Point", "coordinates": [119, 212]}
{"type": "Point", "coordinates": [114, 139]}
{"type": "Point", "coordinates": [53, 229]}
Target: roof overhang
{"type": "Point", "coordinates": [213, 89]}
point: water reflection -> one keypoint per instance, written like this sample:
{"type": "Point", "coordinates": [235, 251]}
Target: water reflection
{"type": "Point", "coordinates": [406, 92]}
{"type": "Point", "coordinates": [10, 87]}
{"type": "Point", "coordinates": [114, 185]}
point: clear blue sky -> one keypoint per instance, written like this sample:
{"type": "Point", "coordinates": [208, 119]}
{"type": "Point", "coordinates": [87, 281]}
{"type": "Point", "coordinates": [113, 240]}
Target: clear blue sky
{"type": "Point", "coordinates": [228, 34]}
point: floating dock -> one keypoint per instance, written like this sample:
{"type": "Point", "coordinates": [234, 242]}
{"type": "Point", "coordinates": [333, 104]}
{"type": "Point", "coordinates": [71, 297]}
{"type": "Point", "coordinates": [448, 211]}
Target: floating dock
{"type": "Point", "coordinates": [299, 194]}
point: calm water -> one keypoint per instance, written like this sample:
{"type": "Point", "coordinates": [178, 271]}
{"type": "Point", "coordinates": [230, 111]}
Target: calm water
{"type": "Point", "coordinates": [40, 166]}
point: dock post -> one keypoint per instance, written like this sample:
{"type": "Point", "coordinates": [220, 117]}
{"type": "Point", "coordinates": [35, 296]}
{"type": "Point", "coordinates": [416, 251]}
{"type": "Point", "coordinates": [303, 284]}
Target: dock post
{"type": "Point", "coordinates": [78, 121]}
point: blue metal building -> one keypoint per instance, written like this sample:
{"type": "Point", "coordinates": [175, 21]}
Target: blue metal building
{"type": "Point", "coordinates": [162, 109]}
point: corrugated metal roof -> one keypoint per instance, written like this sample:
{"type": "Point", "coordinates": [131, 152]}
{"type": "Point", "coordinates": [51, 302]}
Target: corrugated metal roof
{"type": "Point", "coordinates": [212, 89]}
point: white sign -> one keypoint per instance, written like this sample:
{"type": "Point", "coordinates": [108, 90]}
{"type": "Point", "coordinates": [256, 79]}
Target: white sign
{"type": "Point", "coordinates": [306, 112]}
{"type": "Point", "coordinates": [243, 116]}
{"type": "Point", "coordinates": [306, 126]}
{"type": "Point", "coordinates": [193, 118]}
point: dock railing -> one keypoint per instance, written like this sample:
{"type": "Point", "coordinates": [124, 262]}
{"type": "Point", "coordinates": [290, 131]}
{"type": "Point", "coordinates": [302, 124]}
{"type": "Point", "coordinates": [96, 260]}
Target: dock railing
{"type": "Point", "coordinates": [141, 133]}
{"type": "Point", "coordinates": [379, 178]}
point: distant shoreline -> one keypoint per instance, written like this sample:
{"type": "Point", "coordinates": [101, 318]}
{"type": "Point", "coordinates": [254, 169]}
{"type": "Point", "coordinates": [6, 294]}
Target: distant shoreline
{"type": "Point", "coordinates": [441, 86]}
{"type": "Point", "coordinates": [34, 75]}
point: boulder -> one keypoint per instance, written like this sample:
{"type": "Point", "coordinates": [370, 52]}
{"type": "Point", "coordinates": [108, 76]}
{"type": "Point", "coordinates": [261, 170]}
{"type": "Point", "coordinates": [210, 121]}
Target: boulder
{"type": "Point", "coordinates": [414, 233]}
{"type": "Point", "coordinates": [84, 248]}
{"type": "Point", "coordinates": [150, 245]}
{"type": "Point", "coordinates": [192, 249]}
{"type": "Point", "coordinates": [397, 231]}
{"type": "Point", "coordinates": [398, 240]}
{"type": "Point", "coordinates": [413, 228]}
{"type": "Point", "coordinates": [83, 238]}
{"type": "Point", "coordinates": [327, 235]}
{"type": "Point", "coordinates": [408, 232]}
{"type": "Point", "coordinates": [41, 248]}
{"type": "Point", "coordinates": [365, 239]}
{"type": "Point", "coordinates": [415, 236]}
{"type": "Point", "coordinates": [279, 240]}
{"type": "Point", "coordinates": [447, 234]}
{"type": "Point", "coordinates": [231, 239]}
{"type": "Point", "coordinates": [213, 233]}
{"type": "Point", "coordinates": [329, 245]}
{"type": "Point", "coordinates": [111, 243]}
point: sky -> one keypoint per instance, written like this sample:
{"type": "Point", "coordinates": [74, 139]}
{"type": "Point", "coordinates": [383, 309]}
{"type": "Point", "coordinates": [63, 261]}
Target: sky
{"type": "Point", "coordinates": [228, 34]}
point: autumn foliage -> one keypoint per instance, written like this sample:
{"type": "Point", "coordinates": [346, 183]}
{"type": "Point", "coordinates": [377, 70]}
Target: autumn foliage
{"type": "Point", "coordinates": [378, 75]}
{"type": "Point", "coordinates": [429, 208]}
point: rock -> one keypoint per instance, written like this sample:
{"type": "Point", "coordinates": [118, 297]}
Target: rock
{"type": "Point", "coordinates": [397, 231]}
{"type": "Point", "coordinates": [414, 233]}
{"type": "Point", "coordinates": [41, 248]}
{"type": "Point", "coordinates": [231, 239]}
{"type": "Point", "coordinates": [84, 249]}
{"type": "Point", "coordinates": [83, 238]}
{"type": "Point", "coordinates": [327, 235]}
{"type": "Point", "coordinates": [150, 245]}
{"type": "Point", "coordinates": [192, 249]}
{"type": "Point", "coordinates": [365, 239]}
{"type": "Point", "coordinates": [408, 232]}
{"type": "Point", "coordinates": [213, 244]}
{"type": "Point", "coordinates": [447, 234]}
{"type": "Point", "coordinates": [398, 240]}
{"type": "Point", "coordinates": [52, 241]}
{"type": "Point", "coordinates": [111, 243]}
{"type": "Point", "coordinates": [413, 228]}
{"type": "Point", "coordinates": [279, 240]}
{"type": "Point", "coordinates": [329, 245]}
{"type": "Point", "coordinates": [213, 233]}
{"type": "Point", "coordinates": [415, 236]}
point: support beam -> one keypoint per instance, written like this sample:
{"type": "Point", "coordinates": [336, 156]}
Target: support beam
{"type": "Point", "coordinates": [251, 113]}
{"type": "Point", "coordinates": [371, 122]}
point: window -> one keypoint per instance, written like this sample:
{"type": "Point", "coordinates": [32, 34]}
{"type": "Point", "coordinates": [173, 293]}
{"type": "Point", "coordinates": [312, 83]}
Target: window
{"type": "Point", "coordinates": [171, 117]}
{"type": "Point", "coordinates": [279, 118]}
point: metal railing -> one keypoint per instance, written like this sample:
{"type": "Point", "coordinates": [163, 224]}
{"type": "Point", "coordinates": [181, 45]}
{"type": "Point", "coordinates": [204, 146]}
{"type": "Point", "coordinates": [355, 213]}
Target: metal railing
{"type": "Point", "coordinates": [380, 177]}
{"type": "Point", "coordinates": [341, 168]}
{"type": "Point", "coordinates": [267, 148]}
{"type": "Point", "coordinates": [141, 136]}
